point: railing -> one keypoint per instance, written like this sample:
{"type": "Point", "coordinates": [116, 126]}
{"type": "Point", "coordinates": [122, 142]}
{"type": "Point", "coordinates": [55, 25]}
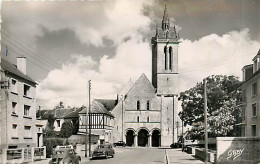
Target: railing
{"type": "Point", "coordinates": [23, 155]}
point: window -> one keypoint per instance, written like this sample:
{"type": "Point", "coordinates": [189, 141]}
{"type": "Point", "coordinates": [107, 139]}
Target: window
{"type": "Point", "coordinates": [253, 130]}
{"type": "Point", "coordinates": [165, 58]}
{"type": "Point", "coordinates": [26, 110]}
{"type": "Point", "coordinates": [138, 105]}
{"type": "Point", "coordinates": [148, 119]}
{"type": "Point", "coordinates": [14, 128]}
{"type": "Point", "coordinates": [26, 90]}
{"type": "Point", "coordinates": [254, 110]}
{"type": "Point", "coordinates": [148, 105]}
{"type": "Point", "coordinates": [137, 118]}
{"type": "Point", "coordinates": [254, 88]}
{"type": "Point", "coordinates": [58, 123]}
{"type": "Point", "coordinates": [14, 86]}
{"type": "Point", "coordinates": [14, 107]}
{"type": "Point", "coordinates": [170, 60]}
{"type": "Point", "coordinates": [27, 130]}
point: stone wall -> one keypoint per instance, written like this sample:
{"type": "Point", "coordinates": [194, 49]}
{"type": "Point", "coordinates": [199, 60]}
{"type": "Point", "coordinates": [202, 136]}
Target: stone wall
{"type": "Point", "coordinates": [238, 150]}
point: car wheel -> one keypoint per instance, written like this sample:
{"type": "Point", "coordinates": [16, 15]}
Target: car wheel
{"type": "Point", "coordinates": [106, 156]}
{"type": "Point", "coordinates": [112, 155]}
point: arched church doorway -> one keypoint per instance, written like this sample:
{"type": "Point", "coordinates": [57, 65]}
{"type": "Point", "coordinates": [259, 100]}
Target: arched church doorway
{"type": "Point", "coordinates": [156, 137]}
{"type": "Point", "coordinates": [130, 138]}
{"type": "Point", "coordinates": [143, 137]}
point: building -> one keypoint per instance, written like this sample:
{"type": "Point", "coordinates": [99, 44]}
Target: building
{"type": "Point", "coordinates": [146, 112]}
{"type": "Point", "coordinates": [19, 127]}
{"type": "Point", "coordinates": [251, 98]}
{"type": "Point", "coordinates": [99, 119]}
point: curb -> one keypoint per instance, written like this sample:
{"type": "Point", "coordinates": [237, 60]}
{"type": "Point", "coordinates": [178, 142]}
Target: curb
{"type": "Point", "coordinates": [167, 157]}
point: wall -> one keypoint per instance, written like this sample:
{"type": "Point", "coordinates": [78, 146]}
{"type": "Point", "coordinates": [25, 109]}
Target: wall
{"type": "Point", "coordinates": [238, 150]}
{"type": "Point", "coordinates": [251, 99]}
{"type": "Point", "coordinates": [22, 139]}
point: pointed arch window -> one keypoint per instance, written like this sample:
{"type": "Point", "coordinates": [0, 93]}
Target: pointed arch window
{"type": "Point", "coordinates": [170, 58]}
{"type": "Point", "coordinates": [138, 105]}
{"type": "Point", "coordinates": [137, 118]}
{"type": "Point", "coordinates": [165, 58]}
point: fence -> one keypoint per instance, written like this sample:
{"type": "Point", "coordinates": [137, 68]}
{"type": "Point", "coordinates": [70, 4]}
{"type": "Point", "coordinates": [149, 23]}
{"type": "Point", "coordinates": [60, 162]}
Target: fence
{"type": "Point", "coordinates": [23, 155]}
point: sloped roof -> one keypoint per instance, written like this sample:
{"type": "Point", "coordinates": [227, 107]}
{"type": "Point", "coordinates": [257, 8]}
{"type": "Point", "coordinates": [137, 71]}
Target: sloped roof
{"type": "Point", "coordinates": [11, 68]}
{"type": "Point", "coordinates": [58, 113]}
{"type": "Point", "coordinates": [97, 107]}
{"type": "Point", "coordinates": [126, 88]}
{"type": "Point", "coordinates": [108, 104]}
{"type": "Point", "coordinates": [74, 113]}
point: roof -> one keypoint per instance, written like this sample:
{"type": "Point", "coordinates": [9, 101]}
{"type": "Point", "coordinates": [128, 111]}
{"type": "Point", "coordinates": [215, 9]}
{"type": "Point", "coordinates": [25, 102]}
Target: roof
{"type": "Point", "coordinates": [97, 107]}
{"type": "Point", "coordinates": [126, 88]}
{"type": "Point", "coordinates": [108, 104]}
{"type": "Point", "coordinates": [58, 113]}
{"type": "Point", "coordinates": [74, 113]}
{"type": "Point", "coordinates": [11, 68]}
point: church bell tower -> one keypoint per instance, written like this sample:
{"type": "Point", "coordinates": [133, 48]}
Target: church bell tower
{"type": "Point", "coordinates": [165, 58]}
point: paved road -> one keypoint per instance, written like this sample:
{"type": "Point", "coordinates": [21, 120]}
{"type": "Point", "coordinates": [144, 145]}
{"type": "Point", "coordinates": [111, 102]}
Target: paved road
{"type": "Point", "coordinates": [134, 155]}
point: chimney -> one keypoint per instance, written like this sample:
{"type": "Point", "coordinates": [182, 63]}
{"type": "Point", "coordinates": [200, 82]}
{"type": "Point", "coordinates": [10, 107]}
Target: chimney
{"type": "Point", "coordinates": [21, 64]}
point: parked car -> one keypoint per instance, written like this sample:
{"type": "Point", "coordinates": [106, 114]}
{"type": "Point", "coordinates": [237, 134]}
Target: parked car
{"type": "Point", "coordinates": [186, 143]}
{"type": "Point", "coordinates": [65, 156]}
{"type": "Point", "coordinates": [120, 143]}
{"type": "Point", "coordinates": [103, 150]}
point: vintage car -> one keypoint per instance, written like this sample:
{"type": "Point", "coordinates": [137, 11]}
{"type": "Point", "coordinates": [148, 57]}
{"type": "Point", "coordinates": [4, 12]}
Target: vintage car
{"type": "Point", "coordinates": [120, 143]}
{"type": "Point", "coordinates": [103, 150]}
{"type": "Point", "coordinates": [65, 156]}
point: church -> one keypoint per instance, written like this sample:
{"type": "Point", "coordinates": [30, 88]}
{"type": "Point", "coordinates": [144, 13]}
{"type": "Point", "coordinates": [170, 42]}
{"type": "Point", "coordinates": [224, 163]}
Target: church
{"type": "Point", "coordinates": [146, 112]}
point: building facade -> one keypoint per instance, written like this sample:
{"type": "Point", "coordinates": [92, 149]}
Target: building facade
{"type": "Point", "coordinates": [19, 127]}
{"type": "Point", "coordinates": [99, 119]}
{"type": "Point", "coordinates": [251, 98]}
{"type": "Point", "coordinates": [146, 112]}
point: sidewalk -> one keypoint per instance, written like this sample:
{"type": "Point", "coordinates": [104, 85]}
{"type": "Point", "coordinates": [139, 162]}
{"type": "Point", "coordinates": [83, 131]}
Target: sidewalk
{"type": "Point", "coordinates": [46, 161]}
{"type": "Point", "coordinates": [176, 156]}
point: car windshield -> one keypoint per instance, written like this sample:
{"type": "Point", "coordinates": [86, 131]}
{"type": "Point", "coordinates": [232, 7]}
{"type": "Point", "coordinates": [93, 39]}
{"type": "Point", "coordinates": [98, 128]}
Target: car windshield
{"type": "Point", "coordinates": [59, 152]}
{"type": "Point", "coordinates": [101, 146]}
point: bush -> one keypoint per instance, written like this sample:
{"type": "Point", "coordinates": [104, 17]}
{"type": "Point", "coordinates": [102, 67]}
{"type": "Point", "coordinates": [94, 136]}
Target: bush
{"type": "Point", "coordinates": [51, 143]}
{"type": "Point", "coordinates": [67, 129]}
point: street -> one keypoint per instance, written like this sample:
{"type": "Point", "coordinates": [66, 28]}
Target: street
{"type": "Point", "coordinates": [134, 155]}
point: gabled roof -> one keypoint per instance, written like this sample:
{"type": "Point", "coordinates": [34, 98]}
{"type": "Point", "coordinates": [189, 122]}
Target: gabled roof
{"type": "Point", "coordinates": [58, 113]}
{"type": "Point", "coordinates": [108, 104]}
{"type": "Point", "coordinates": [142, 83]}
{"type": "Point", "coordinates": [12, 69]}
{"type": "Point", "coordinates": [98, 108]}
{"type": "Point", "coordinates": [74, 113]}
{"type": "Point", "coordinates": [126, 88]}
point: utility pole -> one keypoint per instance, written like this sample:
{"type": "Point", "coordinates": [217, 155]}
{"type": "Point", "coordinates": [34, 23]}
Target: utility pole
{"type": "Point", "coordinates": [205, 121]}
{"type": "Point", "coordinates": [177, 124]}
{"type": "Point", "coordinates": [89, 113]}
{"type": "Point", "coordinates": [122, 138]}
{"type": "Point", "coordinates": [182, 139]}
{"type": "Point", "coordinates": [86, 124]}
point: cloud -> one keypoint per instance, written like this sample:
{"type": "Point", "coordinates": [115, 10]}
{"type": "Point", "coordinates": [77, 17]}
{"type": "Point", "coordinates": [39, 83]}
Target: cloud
{"type": "Point", "coordinates": [214, 54]}
{"type": "Point", "coordinates": [127, 29]}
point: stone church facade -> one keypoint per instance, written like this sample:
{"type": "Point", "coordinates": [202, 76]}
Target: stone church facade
{"type": "Point", "coordinates": [146, 112]}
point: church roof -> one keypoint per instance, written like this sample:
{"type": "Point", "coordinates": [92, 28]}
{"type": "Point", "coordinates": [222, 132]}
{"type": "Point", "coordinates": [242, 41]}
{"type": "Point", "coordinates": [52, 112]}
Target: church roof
{"type": "Point", "coordinates": [126, 89]}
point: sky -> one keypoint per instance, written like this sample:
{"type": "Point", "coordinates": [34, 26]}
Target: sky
{"type": "Point", "coordinates": [68, 43]}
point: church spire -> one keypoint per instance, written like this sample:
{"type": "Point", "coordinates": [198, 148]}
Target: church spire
{"type": "Point", "coordinates": [165, 21]}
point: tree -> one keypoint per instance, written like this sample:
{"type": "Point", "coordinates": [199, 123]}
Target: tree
{"type": "Point", "coordinates": [223, 113]}
{"type": "Point", "coordinates": [49, 130]}
{"type": "Point", "coordinates": [67, 129]}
